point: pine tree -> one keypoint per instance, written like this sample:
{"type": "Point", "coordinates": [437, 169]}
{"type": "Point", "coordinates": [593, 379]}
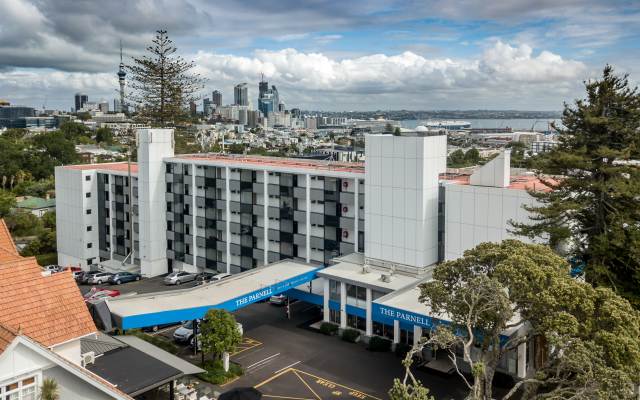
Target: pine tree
{"type": "Point", "coordinates": [163, 88]}
{"type": "Point", "coordinates": [592, 211]}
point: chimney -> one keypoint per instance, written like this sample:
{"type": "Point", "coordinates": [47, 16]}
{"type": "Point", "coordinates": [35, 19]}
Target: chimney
{"type": "Point", "coordinates": [47, 196]}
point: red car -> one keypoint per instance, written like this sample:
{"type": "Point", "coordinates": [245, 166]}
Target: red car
{"type": "Point", "coordinates": [100, 293]}
{"type": "Point", "coordinates": [73, 269]}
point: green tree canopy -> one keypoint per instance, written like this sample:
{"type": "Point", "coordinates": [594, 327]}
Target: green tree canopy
{"type": "Point", "coordinates": [71, 130]}
{"type": "Point", "coordinates": [16, 133]}
{"type": "Point", "coordinates": [472, 155]}
{"type": "Point", "coordinates": [104, 135]}
{"type": "Point", "coordinates": [397, 132]}
{"type": "Point", "coordinates": [7, 202]}
{"type": "Point", "coordinates": [456, 158]}
{"type": "Point", "coordinates": [388, 128]}
{"type": "Point", "coordinates": [512, 285]}
{"type": "Point", "coordinates": [261, 151]}
{"type": "Point", "coordinates": [49, 219]}
{"type": "Point", "coordinates": [591, 213]}
{"type": "Point", "coordinates": [219, 332]}
{"type": "Point", "coordinates": [84, 116]}
{"type": "Point", "coordinates": [236, 148]}
{"type": "Point", "coordinates": [163, 87]}
{"type": "Point", "coordinates": [84, 140]}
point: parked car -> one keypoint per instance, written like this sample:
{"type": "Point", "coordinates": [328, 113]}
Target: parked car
{"type": "Point", "coordinates": [278, 299]}
{"type": "Point", "coordinates": [203, 279]}
{"type": "Point", "coordinates": [53, 268]}
{"type": "Point", "coordinates": [99, 294]}
{"type": "Point", "coordinates": [77, 274]}
{"type": "Point", "coordinates": [74, 269]}
{"type": "Point", "coordinates": [98, 278]}
{"type": "Point", "coordinates": [155, 328]}
{"type": "Point", "coordinates": [84, 277]}
{"type": "Point", "coordinates": [122, 277]}
{"type": "Point", "coordinates": [239, 330]}
{"type": "Point", "coordinates": [185, 332]}
{"type": "Point", "coordinates": [220, 277]}
{"type": "Point", "coordinates": [179, 277]}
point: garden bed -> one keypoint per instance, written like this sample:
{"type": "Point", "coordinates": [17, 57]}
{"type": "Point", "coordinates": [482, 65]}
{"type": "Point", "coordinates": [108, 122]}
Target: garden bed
{"type": "Point", "coordinates": [216, 374]}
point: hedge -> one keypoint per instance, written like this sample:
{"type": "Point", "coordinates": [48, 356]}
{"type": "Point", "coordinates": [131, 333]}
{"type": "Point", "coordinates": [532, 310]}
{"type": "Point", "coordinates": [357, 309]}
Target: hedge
{"type": "Point", "coordinates": [328, 328]}
{"type": "Point", "coordinates": [376, 343]}
{"type": "Point", "coordinates": [350, 335]}
{"type": "Point", "coordinates": [402, 349]}
{"type": "Point", "coordinates": [156, 341]}
{"type": "Point", "coordinates": [216, 374]}
{"type": "Point", "coordinates": [47, 259]}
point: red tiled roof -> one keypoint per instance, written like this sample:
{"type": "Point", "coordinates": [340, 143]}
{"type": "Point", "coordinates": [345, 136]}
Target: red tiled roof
{"type": "Point", "coordinates": [284, 162]}
{"type": "Point", "coordinates": [21, 269]}
{"type": "Point", "coordinates": [119, 166]}
{"type": "Point", "coordinates": [7, 334]}
{"type": "Point", "coordinates": [7, 256]}
{"type": "Point", "coordinates": [518, 183]}
{"type": "Point", "coordinates": [6, 242]}
{"type": "Point", "coordinates": [49, 308]}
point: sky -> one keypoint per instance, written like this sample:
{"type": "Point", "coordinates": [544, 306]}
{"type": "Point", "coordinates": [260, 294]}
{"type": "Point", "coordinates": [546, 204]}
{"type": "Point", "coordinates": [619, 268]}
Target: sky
{"type": "Point", "coordinates": [327, 55]}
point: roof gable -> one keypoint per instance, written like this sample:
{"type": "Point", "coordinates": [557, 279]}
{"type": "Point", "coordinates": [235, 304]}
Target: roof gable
{"type": "Point", "coordinates": [49, 309]}
{"type": "Point", "coordinates": [18, 268]}
{"type": "Point", "coordinates": [6, 242]}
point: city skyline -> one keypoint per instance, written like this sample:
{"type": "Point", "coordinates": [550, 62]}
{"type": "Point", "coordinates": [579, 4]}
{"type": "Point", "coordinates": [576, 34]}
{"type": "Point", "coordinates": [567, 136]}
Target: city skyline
{"type": "Point", "coordinates": [441, 55]}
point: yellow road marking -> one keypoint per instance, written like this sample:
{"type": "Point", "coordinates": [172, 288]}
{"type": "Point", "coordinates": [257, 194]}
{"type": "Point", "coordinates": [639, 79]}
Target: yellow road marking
{"type": "Point", "coordinates": [337, 384]}
{"type": "Point", "coordinates": [283, 397]}
{"type": "Point", "coordinates": [239, 348]}
{"type": "Point", "coordinates": [272, 378]}
{"type": "Point", "coordinates": [294, 371]}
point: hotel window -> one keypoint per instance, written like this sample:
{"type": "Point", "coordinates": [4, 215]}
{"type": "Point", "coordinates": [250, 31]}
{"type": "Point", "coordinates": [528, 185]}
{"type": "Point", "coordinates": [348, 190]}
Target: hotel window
{"type": "Point", "coordinates": [88, 229]}
{"type": "Point", "coordinates": [88, 195]}
{"type": "Point", "coordinates": [357, 296]}
{"type": "Point", "coordinates": [406, 336]}
{"type": "Point", "coordinates": [334, 290]}
{"type": "Point", "coordinates": [88, 212]}
{"type": "Point", "coordinates": [87, 178]}
{"type": "Point", "coordinates": [383, 330]}
{"type": "Point", "coordinates": [356, 322]}
{"type": "Point", "coordinates": [334, 316]}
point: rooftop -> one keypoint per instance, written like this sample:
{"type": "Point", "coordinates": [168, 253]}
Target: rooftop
{"type": "Point", "coordinates": [18, 268]}
{"type": "Point", "coordinates": [517, 182]}
{"type": "Point", "coordinates": [119, 167]}
{"type": "Point", "coordinates": [354, 274]}
{"type": "Point", "coordinates": [278, 162]}
{"type": "Point", "coordinates": [6, 242]}
{"type": "Point", "coordinates": [36, 202]}
{"type": "Point", "coordinates": [48, 309]}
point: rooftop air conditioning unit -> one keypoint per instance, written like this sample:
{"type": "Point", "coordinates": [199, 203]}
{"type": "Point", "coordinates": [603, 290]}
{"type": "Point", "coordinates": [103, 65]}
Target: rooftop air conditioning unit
{"type": "Point", "coordinates": [385, 278]}
{"type": "Point", "coordinates": [88, 358]}
{"type": "Point", "coordinates": [366, 269]}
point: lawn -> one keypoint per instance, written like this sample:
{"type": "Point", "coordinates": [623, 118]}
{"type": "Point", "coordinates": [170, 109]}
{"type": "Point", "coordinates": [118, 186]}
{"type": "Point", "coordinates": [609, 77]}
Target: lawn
{"type": "Point", "coordinates": [215, 372]}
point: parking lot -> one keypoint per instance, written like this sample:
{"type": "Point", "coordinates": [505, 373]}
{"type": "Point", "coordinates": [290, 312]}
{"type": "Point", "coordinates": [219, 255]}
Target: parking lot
{"type": "Point", "coordinates": [286, 359]}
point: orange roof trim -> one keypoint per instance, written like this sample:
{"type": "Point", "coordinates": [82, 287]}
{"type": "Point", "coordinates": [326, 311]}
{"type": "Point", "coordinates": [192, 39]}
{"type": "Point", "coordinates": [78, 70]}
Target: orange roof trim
{"type": "Point", "coordinates": [118, 167]}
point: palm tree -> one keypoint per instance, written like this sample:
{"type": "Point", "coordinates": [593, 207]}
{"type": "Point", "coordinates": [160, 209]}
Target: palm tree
{"type": "Point", "coordinates": [49, 390]}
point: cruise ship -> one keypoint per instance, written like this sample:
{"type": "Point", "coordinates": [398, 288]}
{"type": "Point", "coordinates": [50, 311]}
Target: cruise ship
{"type": "Point", "coordinates": [446, 125]}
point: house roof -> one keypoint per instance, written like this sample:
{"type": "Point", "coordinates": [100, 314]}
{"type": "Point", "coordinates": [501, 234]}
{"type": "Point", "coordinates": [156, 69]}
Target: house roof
{"type": "Point", "coordinates": [6, 242]}
{"type": "Point", "coordinates": [18, 268]}
{"type": "Point", "coordinates": [49, 309]}
{"type": "Point", "coordinates": [7, 334]}
{"type": "Point", "coordinates": [36, 202]}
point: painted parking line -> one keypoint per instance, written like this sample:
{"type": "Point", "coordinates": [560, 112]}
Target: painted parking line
{"type": "Point", "coordinates": [246, 344]}
{"type": "Point", "coordinates": [293, 383]}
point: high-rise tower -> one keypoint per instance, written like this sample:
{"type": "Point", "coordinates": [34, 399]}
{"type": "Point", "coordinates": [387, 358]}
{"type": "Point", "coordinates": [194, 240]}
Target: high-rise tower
{"type": "Point", "coordinates": [240, 96]}
{"type": "Point", "coordinates": [121, 80]}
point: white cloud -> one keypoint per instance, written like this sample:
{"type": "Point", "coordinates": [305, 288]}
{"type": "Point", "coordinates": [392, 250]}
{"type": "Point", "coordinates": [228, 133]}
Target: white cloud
{"type": "Point", "coordinates": [501, 76]}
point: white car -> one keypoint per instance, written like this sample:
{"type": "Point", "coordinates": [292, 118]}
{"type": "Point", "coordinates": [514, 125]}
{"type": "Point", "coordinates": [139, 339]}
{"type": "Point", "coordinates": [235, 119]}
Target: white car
{"type": "Point", "coordinates": [99, 278]}
{"type": "Point", "coordinates": [185, 332]}
{"type": "Point", "coordinates": [179, 277]}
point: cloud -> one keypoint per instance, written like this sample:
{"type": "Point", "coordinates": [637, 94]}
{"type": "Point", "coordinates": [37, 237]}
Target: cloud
{"type": "Point", "coordinates": [293, 36]}
{"type": "Point", "coordinates": [418, 48]}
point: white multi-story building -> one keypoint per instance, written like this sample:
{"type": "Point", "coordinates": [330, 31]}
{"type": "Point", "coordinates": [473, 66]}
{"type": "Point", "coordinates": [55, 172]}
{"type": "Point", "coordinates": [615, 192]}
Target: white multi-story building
{"type": "Point", "coordinates": [234, 213]}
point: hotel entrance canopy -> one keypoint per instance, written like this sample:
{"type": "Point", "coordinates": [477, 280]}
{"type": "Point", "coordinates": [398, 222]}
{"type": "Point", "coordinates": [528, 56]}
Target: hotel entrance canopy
{"type": "Point", "coordinates": [229, 293]}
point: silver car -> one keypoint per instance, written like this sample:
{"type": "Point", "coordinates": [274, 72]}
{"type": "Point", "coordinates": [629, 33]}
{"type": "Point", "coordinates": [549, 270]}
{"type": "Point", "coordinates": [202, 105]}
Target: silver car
{"type": "Point", "coordinates": [179, 277]}
{"type": "Point", "coordinates": [99, 278]}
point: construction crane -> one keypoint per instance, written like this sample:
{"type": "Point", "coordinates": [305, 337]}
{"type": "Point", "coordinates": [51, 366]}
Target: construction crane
{"type": "Point", "coordinates": [45, 103]}
{"type": "Point", "coordinates": [534, 125]}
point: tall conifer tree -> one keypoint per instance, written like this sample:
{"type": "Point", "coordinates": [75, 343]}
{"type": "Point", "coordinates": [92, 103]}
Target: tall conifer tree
{"type": "Point", "coordinates": [163, 87]}
{"type": "Point", "coordinates": [592, 213]}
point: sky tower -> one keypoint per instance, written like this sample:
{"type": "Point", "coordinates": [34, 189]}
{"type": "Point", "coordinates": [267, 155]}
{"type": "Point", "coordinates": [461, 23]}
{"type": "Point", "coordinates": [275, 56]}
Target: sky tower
{"type": "Point", "coordinates": [122, 80]}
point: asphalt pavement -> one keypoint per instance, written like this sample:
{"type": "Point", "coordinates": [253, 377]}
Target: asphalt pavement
{"type": "Point", "coordinates": [145, 285]}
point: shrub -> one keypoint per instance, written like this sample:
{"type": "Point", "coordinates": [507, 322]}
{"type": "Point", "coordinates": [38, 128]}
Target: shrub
{"type": "Point", "coordinates": [215, 372]}
{"type": "Point", "coordinates": [503, 381]}
{"type": "Point", "coordinates": [350, 335]}
{"type": "Point", "coordinates": [402, 349]}
{"type": "Point", "coordinates": [376, 343]}
{"type": "Point", "coordinates": [47, 259]}
{"type": "Point", "coordinates": [328, 328]}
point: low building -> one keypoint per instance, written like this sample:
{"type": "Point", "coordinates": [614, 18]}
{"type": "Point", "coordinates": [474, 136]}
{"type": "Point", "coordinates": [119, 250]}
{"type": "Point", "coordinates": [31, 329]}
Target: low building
{"type": "Point", "coordinates": [37, 205]}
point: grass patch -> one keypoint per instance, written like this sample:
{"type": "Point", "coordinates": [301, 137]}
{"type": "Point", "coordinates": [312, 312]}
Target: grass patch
{"type": "Point", "coordinates": [215, 372]}
{"type": "Point", "coordinates": [163, 344]}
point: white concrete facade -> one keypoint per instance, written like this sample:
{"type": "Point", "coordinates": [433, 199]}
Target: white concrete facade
{"type": "Point", "coordinates": [401, 198]}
